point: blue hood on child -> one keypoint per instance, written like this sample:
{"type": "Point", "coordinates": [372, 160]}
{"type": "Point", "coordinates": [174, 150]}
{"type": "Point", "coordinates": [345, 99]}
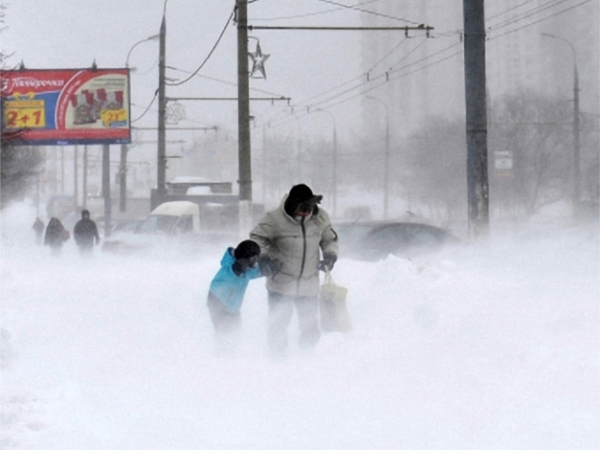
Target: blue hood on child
{"type": "Point", "coordinates": [228, 287]}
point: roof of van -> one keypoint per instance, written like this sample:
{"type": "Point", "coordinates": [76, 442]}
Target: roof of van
{"type": "Point", "coordinates": [178, 208]}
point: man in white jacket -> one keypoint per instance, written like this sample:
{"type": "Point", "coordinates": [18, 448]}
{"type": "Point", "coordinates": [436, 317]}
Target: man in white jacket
{"type": "Point", "coordinates": [291, 238]}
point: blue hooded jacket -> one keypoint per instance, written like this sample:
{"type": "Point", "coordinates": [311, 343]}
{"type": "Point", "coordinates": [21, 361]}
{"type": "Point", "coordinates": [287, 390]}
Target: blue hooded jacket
{"type": "Point", "coordinates": [228, 287]}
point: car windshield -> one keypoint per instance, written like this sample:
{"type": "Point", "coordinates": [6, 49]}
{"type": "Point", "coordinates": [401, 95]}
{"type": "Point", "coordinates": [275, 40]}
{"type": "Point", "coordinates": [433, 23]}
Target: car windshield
{"type": "Point", "coordinates": [158, 224]}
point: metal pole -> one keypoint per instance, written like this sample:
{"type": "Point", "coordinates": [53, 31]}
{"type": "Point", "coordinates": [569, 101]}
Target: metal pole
{"type": "Point", "coordinates": [244, 151]}
{"type": "Point", "coordinates": [386, 162]}
{"type": "Point", "coordinates": [123, 179]}
{"type": "Point", "coordinates": [576, 142]}
{"type": "Point", "coordinates": [334, 169]}
{"type": "Point", "coordinates": [245, 169]}
{"type": "Point", "coordinates": [161, 157]}
{"type": "Point", "coordinates": [476, 118]}
{"type": "Point", "coordinates": [106, 188]}
{"type": "Point", "coordinates": [85, 174]}
{"type": "Point", "coordinates": [576, 154]}
{"type": "Point", "coordinates": [75, 178]}
{"type": "Point", "coordinates": [62, 170]}
{"type": "Point", "coordinates": [386, 173]}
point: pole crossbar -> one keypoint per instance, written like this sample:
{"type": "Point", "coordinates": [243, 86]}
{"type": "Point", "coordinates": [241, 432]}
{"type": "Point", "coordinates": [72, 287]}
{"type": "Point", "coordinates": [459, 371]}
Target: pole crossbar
{"type": "Point", "coordinates": [270, 99]}
{"type": "Point", "coordinates": [309, 28]}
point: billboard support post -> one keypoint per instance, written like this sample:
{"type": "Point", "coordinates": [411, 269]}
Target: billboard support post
{"type": "Point", "coordinates": [106, 188]}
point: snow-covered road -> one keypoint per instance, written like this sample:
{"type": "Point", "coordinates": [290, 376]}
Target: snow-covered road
{"type": "Point", "coordinates": [475, 348]}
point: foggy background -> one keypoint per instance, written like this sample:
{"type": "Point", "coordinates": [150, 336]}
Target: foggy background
{"type": "Point", "coordinates": [344, 82]}
{"type": "Point", "coordinates": [479, 346]}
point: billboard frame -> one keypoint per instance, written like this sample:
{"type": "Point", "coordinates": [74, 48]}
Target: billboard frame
{"type": "Point", "coordinates": [81, 106]}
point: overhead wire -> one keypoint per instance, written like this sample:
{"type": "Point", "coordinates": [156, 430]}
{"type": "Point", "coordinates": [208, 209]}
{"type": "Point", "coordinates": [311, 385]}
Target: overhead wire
{"type": "Point", "coordinates": [509, 10]}
{"type": "Point", "coordinates": [362, 77]}
{"type": "Point", "coordinates": [326, 103]}
{"type": "Point", "coordinates": [179, 83]}
{"type": "Point", "coordinates": [147, 108]}
{"type": "Point", "coordinates": [539, 20]}
{"type": "Point", "coordinates": [316, 13]}
{"type": "Point", "coordinates": [532, 12]}
{"type": "Point", "coordinates": [387, 16]}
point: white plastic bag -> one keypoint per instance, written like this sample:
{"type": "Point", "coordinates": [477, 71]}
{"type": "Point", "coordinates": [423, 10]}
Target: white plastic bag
{"type": "Point", "coordinates": [332, 306]}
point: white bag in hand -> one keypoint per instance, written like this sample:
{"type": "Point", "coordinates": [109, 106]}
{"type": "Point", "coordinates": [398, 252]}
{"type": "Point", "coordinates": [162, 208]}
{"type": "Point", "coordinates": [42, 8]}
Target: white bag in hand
{"type": "Point", "coordinates": [332, 306]}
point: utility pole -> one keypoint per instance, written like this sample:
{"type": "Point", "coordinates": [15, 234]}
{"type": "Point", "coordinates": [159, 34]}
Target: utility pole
{"type": "Point", "coordinates": [161, 157]}
{"type": "Point", "coordinates": [476, 115]}
{"type": "Point", "coordinates": [123, 179]}
{"type": "Point", "coordinates": [576, 154]}
{"type": "Point", "coordinates": [244, 151]}
{"type": "Point", "coordinates": [106, 188]}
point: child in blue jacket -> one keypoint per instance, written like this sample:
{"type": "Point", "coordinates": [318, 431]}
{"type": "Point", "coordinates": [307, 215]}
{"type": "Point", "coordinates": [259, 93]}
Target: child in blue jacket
{"type": "Point", "coordinates": [226, 294]}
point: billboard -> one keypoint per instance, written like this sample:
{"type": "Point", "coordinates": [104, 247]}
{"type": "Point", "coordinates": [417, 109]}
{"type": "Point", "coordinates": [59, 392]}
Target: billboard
{"type": "Point", "coordinates": [66, 106]}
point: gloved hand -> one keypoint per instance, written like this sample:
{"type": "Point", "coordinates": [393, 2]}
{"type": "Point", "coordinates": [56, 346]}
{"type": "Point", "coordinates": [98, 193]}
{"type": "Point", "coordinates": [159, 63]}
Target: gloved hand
{"type": "Point", "coordinates": [328, 262]}
{"type": "Point", "coordinates": [269, 266]}
{"type": "Point", "coordinates": [240, 266]}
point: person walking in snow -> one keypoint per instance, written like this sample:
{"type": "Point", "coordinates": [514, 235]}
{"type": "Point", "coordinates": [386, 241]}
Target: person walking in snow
{"type": "Point", "coordinates": [38, 227]}
{"type": "Point", "coordinates": [56, 235]}
{"type": "Point", "coordinates": [85, 233]}
{"type": "Point", "coordinates": [227, 289]}
{"type": "Point", "coordinates": [291, 238]}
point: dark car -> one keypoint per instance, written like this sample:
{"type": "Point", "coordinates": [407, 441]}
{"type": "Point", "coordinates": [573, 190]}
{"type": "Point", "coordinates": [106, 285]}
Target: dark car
{"type": "Point", "coordinates": [371, 241]}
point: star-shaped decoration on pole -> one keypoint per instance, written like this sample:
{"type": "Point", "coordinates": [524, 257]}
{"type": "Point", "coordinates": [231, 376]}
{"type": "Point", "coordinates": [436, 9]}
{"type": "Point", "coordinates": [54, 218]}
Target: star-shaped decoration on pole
{"type": "Point", "coordinates": [258, 62]}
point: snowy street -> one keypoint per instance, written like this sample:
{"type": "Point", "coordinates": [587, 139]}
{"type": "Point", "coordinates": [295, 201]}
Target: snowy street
{"type": "Point", "coordinates": [474, 348]}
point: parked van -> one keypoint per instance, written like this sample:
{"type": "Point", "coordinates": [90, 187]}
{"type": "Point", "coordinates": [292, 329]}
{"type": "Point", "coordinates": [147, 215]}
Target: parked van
{"type": "Point", "coordinates": [172, 218]}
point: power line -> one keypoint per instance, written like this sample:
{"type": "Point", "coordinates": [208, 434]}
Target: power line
{"type": "Point", "coordinates": [509, 10]}
{"type": "Point", "coordinates": [369, 12]}
{"type": "Point", "coordinates": [147, 108]}
{"type": "Point", "coordinates": [179, 83]}
{"type": "Point", "coordinates": [527, 14]}
{"type": "Point", "coordinates": [231, 83]}
{"type": "Point", "coordinates": [400, 75]}
{"type": "Point", "coordinates": [316, 13]}
{"type": "Point", "coordinates": [357, 86]}
{"type": "Point", "coordinates": [540, 20]}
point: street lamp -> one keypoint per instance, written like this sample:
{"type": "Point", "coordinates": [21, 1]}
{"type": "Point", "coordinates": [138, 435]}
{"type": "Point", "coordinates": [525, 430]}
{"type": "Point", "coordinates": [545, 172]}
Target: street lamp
{"type": "Point", "coordinates": [334, 209]}
{"type": "Point", "coordinates": [576, 156]}
{"type": "Point", "coordinates": [124, 147]}
{"type": "Point", "coordinates": [151, 38]}
{"type": "Point", "coordinates": [386, 176]}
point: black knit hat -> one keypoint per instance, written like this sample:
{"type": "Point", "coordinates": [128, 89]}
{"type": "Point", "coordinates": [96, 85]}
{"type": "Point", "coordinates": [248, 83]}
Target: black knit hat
{"type": "Point", "coordinates": [246, 249]}
{"type": "Point", "coordinates": [301, 196]}
{"type": "Point", "coordinates": [300, 193]}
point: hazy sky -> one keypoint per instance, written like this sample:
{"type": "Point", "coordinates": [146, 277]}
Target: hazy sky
{"type": "Point", "coordinates": [67, 34]}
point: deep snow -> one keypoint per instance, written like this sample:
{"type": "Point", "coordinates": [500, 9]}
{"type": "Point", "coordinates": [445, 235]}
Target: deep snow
{"type": "Point", "coordinates": [481, 347]}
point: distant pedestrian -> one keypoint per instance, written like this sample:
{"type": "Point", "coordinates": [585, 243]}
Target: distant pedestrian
{"type": "Point", "coordinates": [56, 235]}
{"type": "Point", "coordinates": [38, 227]}
{"type": "Point", "coordinates": [227, 289]}
{"type": "Point", "coordinates": [291, 238]}
{"type": "Point", "coordinates": [85, 233]}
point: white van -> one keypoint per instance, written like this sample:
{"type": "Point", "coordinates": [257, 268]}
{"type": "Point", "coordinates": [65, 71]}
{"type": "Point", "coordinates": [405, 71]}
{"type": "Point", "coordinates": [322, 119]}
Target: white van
{"type": "Point", "coordinates": [172, 218]}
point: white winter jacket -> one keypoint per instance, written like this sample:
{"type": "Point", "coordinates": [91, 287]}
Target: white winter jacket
{"type": "Point", "coordinates": [296, 245]}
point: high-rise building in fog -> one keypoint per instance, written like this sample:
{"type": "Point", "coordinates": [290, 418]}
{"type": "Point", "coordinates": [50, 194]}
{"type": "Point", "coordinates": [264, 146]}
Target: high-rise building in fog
{"type": "Point", "coordinates": [426, 74]}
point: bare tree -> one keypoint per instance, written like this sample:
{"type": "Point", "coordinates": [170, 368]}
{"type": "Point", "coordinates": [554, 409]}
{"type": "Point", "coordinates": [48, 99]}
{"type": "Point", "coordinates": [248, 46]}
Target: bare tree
{"type": "Point", "coordinates": [19, 164]}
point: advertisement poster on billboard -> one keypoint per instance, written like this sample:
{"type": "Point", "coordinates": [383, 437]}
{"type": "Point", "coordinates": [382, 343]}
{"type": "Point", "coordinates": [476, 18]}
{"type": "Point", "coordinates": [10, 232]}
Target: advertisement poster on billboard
{"type": "Point", "coordinates": [66, 106]}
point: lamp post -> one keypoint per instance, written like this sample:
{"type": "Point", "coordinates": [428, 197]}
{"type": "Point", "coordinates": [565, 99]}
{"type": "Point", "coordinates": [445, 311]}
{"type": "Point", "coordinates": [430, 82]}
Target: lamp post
{"type": "Point", "coordinates": [386, 172]}
{"type": "Point", "coordinates": [334, 209]}
{"type": "Point", "coordinates": [124, 147]}
{"type": "Point", "coordinates": [576, 156]}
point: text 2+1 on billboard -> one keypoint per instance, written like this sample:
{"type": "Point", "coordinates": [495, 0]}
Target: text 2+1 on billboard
{"type": "Point", "coordinates": [66, 106]}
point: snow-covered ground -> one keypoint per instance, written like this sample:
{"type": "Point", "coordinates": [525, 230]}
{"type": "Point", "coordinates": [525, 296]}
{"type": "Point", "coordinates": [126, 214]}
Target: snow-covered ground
{"type": "Point", "coordinates": [491, 347]}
